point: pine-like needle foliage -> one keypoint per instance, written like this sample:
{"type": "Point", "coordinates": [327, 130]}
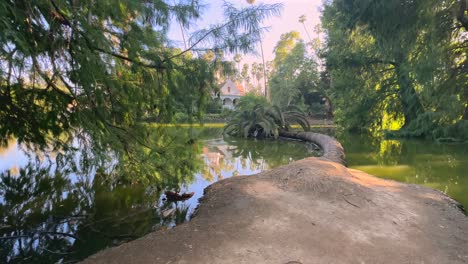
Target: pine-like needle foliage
{"type": "Point", "coordinates": [399, 64]}
{"type": "Point", "coordinates": [92, 70]}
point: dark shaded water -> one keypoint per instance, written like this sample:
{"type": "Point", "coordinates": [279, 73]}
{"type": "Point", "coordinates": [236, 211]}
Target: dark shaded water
{"type": "Point", "coordinates": [49, 215]}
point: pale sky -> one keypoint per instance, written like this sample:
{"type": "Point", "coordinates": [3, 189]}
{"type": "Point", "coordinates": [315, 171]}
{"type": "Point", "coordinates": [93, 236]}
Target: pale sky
{"type": "Point", "coordinates": [288, 21]}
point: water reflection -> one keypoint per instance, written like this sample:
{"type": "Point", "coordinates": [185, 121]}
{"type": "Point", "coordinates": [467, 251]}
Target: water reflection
{"type": "Point", "coordinates": [48, 217]}
{"type": "Point", "coordinates": [436, 165]}
{"type": "Point", "coordinates": [230, 157]}
{"type": "Point", "coordinates": [54, 207]}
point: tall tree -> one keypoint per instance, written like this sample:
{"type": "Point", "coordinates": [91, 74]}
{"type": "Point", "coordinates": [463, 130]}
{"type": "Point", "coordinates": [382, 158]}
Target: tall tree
{"type": "Point", "coordinates": [253, 71]}
{"type": "Point", "coordinates": [265, 81]}
{"type": "Point", "coordinates": [238, 59]}
{"type": "Point", "coordinates": [294, 80]}
{"type": "Point", "coordinates": [245, 74]}
{"type": "Point", "coordinates": [302, 20]}
{"type": "Point", "coordinates": [396, 62]}
{"type": "Point", "coordinates": [286, 43]}
{"type": "Point", "coordinates": [93, 69]}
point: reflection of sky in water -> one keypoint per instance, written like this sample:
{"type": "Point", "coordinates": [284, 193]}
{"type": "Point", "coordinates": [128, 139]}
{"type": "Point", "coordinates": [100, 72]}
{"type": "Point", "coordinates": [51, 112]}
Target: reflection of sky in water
{"type": "Point", "coordinates": [439, 166]}
{"type": "Point", "coordinates": [220, 163]}
{"type": "Point", "coordinates": [17, 156]}
{"type": "Point", "coordinates": [221, 160]}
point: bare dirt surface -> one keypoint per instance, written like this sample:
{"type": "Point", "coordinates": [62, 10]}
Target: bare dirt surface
{"type": "Point", "coordinates": [311, 211]}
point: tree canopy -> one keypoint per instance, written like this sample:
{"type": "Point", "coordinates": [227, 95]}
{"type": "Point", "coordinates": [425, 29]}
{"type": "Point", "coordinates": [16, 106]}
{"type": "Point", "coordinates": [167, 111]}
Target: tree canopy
{"type": "Point", "coordinates": [398, 65]}
{"type": "Point", "coordinates": [295, 77]}
{"type": "Point", "coordinates": [92, 70]}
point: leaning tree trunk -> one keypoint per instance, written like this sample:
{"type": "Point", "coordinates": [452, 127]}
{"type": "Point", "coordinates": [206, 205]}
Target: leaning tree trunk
{"type": "Point", "coordinates": [332, 149]}
{"type": "Point", "coordinates": [412, 106]}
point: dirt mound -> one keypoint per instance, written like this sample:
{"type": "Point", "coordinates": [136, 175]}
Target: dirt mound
{"type": "Point", "coordinates": [311, 211]}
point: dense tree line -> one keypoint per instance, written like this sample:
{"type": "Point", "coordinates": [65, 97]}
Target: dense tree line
{"type": "Point", "coordinates": [399, 65]}
{"type": "Point", "coordinates": [295, 76]}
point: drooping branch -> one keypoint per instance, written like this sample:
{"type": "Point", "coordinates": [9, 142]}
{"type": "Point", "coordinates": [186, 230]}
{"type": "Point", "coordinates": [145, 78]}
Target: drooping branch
{"type": "Point", "coordinates": [66, 22]}
{"type": "Point", "coordinates": [238, 17]}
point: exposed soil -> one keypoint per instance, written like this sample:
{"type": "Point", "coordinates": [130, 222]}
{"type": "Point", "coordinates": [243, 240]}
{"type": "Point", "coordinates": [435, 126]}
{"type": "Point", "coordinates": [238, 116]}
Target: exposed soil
{"type": "Point", "coordinates": [311, 211]}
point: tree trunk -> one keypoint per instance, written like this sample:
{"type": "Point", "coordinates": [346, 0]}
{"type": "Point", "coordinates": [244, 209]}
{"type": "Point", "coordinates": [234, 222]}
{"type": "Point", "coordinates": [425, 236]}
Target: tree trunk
{"type": "Point", "coordinates": [461, 17]}
{"type": "Point", "coordinates": [464, 94]}
{"type": "Point", "coordinates": [329, 106]}
{"type": "Point", "coordinates": [412, 106]}
{"type": "Point", "coordinates": [465, 112]}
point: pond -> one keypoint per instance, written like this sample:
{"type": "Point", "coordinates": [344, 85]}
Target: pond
{"type": "Point", "coordinates": [49, 216]}
{"type": "Point", "coordinates": [440, 166]}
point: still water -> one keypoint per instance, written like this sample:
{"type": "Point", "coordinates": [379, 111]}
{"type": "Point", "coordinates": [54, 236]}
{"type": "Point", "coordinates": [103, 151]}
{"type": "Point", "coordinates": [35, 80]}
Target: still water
{"type": "Point", "coordinates": [48, 217]}
{"type": "Point", "coordinates": [440, 166]}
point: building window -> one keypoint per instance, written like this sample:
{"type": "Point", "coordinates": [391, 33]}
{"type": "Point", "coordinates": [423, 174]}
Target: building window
{"type": "Point", "coordinates": [229, 89]}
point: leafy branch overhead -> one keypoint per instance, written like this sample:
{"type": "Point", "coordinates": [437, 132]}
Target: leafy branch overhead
{"type": "Point", "coordinates": [399, 65]}
{"type": "Point", "coordinates": [88, 72]}
{"type": "Point", "coordinates": [91, 66]}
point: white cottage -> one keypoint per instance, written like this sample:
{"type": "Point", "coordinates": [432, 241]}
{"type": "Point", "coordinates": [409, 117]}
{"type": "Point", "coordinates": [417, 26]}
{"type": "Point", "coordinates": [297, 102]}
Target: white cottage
{"type": "Point", "coordinates": [230, 93]}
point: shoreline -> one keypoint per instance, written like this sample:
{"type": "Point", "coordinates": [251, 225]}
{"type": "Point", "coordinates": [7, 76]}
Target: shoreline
{"type": "Point", "coordinates": [313, 210]}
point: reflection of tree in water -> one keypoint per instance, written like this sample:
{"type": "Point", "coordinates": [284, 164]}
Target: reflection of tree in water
{"type": "Point", "coordinates": [47, 217]}
{"type": "Point", "coordinates": [215, 163]}
{"type": "Point", "coordinates": [440, 166]}
{"type": "Point", "coordinates": [389, 152]}
{"type": "Point", "coordinates": [274, 153]}
{"type": "Point", "coordinates": [71, 207]}
{"type": "Point", "coordinates": [235, 156]}
{"type": "Point", "coordinates": [375, 149]}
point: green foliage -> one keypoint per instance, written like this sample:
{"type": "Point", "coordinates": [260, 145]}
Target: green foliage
{"type": "Point", "coordinates": [214, 106]}
{"type": "Point", "coordinates": [295, 77]}
{"type": "Point", "coordinates": [290, 116]}
{"type": "Point", "coordinates": [397, 64]}
{"type": "Point", "coordinates": [92, 70]}
{"type": "Point", "coordinates": [258, 122]}
{"type": "Point", "coordinates": [284, 46]}
{"type": "Point", "coordinates": [250, 100]}
{"type": "Point", "coordinates": [56, 219]}
{"type": "Point", "coordinates": [262, 121]}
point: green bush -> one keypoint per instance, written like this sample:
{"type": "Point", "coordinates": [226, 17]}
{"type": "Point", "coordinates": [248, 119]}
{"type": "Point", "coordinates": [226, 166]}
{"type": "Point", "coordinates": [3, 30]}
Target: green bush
{"type": "Point", "coordinates": [264, 121]}
{"type": "Point", "coordinates": [214, 106]}
{"type": "Point", "coordinates": [250, 100]}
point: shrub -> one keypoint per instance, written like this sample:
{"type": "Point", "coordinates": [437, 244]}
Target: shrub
{"type": "Point", "coordinates": [264, 121]}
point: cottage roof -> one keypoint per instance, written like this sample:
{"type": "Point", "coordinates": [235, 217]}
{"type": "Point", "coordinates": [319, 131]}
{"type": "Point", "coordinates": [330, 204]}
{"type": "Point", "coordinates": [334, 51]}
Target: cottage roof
{"type": "Point", "coordinates": [230, 88]}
